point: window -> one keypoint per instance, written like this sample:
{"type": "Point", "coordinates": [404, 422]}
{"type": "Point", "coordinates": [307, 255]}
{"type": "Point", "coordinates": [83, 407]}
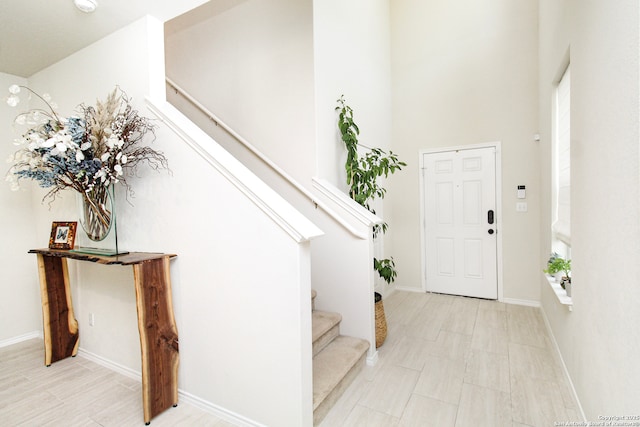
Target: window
{"type": "Point", "coordinates": [562, 166]}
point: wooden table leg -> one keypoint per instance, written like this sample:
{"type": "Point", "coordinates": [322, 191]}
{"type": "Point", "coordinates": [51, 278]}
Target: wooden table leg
{"type": "Point", "coordinates": [60, 326]}
{"type": "Point", "coordinates": [158, 336]}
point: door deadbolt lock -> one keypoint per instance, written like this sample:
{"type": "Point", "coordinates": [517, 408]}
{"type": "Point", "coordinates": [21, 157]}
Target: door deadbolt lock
{"type": "Point", "coordinates": [491, 231]}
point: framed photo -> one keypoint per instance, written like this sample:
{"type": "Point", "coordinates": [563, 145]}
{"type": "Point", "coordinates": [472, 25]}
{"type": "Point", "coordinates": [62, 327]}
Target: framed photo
{"type": "Point", "coordinates": [63, 235]}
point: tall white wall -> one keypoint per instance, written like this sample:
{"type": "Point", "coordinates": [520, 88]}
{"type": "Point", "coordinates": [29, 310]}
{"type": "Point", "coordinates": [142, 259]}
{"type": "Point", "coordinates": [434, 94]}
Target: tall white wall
{"type": "Point", "coordinates": [351, 58]}
{"type": "Point", "coordinates": [465, 73]}
{"type": "Point", "coordinates": [599, 340]}
{"type": "Point", "coordinates": [252, 65]}
{"type": "Point", "coordinates": [242, 304]}
{"type": "Point", "coordinates": [20, 312]}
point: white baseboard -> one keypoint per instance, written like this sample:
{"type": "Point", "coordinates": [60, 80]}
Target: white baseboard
{"type": "Point", "coordinates": [409, 289]}
{"type": "Point", "coordinates": [219, 412]}
{"type": "Point", "coordinates": [184, 396]}
{"type": "Point", "coordinates": [21, 338]}
{"type": "Point", "coordinates": [564, 366]}
{"type": "Point", "coordinates": [528, 303]}
{"type": "Point", "coordinates": [109, 364]}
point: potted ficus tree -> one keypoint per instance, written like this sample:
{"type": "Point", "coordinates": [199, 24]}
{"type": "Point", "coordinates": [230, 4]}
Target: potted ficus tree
{"type": "Point", "coordinates": [363, 174]}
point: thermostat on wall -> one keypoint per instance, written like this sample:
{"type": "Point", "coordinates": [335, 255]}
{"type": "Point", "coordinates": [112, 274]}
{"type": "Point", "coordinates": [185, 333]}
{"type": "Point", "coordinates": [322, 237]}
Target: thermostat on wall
{"type": "Point", "coordinates": [522, 194]}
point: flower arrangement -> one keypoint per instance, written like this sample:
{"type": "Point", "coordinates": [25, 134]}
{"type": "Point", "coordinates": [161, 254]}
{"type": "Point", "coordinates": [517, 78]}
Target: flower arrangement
{"type": "Point", "coordinates": [86, 153]}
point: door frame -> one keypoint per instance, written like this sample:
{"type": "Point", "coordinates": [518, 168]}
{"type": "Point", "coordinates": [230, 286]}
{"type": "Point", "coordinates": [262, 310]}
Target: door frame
{"type": "Point", "coordinates": [497, 145]}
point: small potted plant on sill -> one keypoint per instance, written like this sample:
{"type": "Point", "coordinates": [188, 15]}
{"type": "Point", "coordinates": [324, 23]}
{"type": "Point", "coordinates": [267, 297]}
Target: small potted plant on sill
{"type": "Point", "coordinates": [560, 268]}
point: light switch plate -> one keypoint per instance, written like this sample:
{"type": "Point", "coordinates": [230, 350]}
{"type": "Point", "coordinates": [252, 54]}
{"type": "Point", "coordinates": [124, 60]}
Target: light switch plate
{"type": "Point", "coordinates": [521, 207]}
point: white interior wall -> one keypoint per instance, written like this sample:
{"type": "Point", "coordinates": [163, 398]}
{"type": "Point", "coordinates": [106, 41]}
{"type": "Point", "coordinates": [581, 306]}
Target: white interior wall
{"type": "Point", "coordinates": [351, 58]}
{"type": "Point", "coordinates": [258, 61]}
{"type": "Point", "coordinates": [20, 312]}
{"type": "Point", "coordinates": [599, 339]}
{"type": "Point", "coordinates": [202, 217]}
{"type": "Point", "coordinates": [466, 73]}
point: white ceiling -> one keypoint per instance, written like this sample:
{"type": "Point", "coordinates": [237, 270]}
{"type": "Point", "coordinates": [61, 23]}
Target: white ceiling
{"type": "Point", "coordinates": [37, 33]}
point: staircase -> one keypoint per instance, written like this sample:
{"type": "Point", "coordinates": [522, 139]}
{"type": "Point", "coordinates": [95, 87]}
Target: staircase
{"type": "Point", "coordinates": [337, 359]}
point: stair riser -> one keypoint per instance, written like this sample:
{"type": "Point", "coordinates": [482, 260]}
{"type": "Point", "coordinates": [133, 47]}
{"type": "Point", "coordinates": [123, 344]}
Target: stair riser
{"type": "Point", "coordinates": [325, 339]}
{"type": "Point", "coordinates": [321, 411]}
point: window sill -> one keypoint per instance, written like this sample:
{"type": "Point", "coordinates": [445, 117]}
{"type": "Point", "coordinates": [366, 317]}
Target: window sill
{"type": "Point", "coordinates": [561, 294]}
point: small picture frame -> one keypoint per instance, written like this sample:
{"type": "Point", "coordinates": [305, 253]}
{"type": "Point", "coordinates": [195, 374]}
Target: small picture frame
{"type": "Point", "coordinates": [63, 235]}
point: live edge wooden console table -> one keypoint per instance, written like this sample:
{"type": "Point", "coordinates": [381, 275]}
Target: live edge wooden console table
{"type": "Point", "coordinates": [156, 323]}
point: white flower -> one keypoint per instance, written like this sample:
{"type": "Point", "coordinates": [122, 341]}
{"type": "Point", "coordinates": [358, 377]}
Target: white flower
{"type": "Point", "coordinates": [66, 139]}
{"type": "Point", "coordinates": [85, 146]}
{"type": "Point", "coordinates": [35, 117]}
{"type": "Point", "coordinates": [118, 170]}
{"type": "Point", "coordinates": [79, 156]}
{"type": "Point", "coordinates": [34, 141]}
{"type": "Point", "coordinates": [50, 142]}
{"type": "Point", "coordinates": [14, 89]}
{"type": "Point", "coordinates": [113, 142]}
{"type": "Point", "coordinates": [105, 157]}
{"type": "Point", "coordinates": [13, 100]}
{"type": "Point", "coordinates": [123, 159]}
{"type": "Point", "coordinates": [21, 119]}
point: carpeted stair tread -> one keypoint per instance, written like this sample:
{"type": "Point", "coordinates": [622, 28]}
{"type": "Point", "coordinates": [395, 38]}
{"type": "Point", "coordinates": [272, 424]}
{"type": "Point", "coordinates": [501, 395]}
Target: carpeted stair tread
{"type": "Point", "coordinates": [331, 366]}
{"type": "Point", "coordinates": [322, 322]}
{"type": "Point", "coordinates": [325, 327]}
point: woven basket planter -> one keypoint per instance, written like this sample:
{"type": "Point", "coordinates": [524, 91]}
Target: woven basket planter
{"type": "Point", "coordinates": [381, 321]}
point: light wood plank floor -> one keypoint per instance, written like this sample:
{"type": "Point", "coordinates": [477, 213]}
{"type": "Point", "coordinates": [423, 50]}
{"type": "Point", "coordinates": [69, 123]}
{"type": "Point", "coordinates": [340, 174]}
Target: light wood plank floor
{"type": "Point", "coordinates": [447, 362]}
{"type": "Point", "coordinates": [457, 362]}
{"type": "Point", "coordinates": [77, 392]}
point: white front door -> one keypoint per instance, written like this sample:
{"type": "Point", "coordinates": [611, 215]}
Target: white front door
{"type": "Point", "coordinates": [460, 224]}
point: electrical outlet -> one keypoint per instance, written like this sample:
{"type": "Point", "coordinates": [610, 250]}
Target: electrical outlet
{"type": "Point", "coordinates": [92, 319]}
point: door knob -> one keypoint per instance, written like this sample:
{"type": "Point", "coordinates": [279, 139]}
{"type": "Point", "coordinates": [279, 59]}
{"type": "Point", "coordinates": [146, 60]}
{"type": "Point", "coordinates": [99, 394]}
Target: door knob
{"type": "Point", "coordinates": [491, 231]}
